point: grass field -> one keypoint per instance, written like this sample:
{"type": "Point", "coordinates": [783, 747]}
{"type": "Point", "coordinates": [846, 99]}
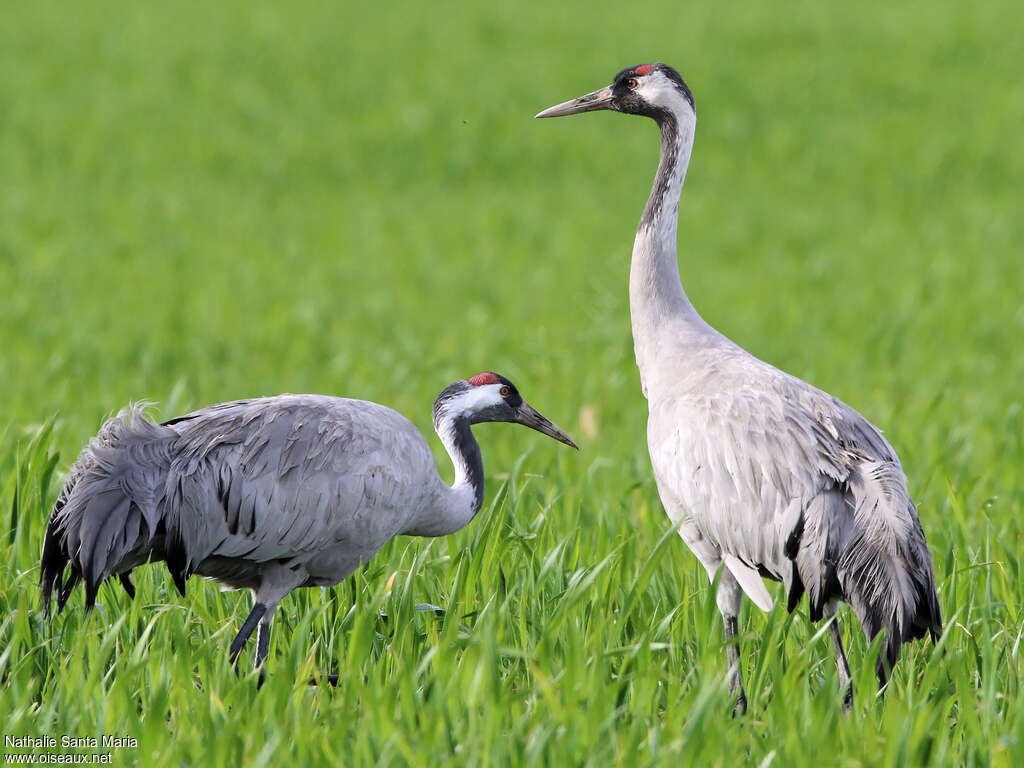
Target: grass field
{"type": "Point", "coordinates": [201, 202]}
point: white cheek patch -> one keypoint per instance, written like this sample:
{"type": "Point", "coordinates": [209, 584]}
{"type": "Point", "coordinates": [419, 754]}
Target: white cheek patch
{"type": "Point", "coordinates": [655, 88]}
{"type": "Point", "coordinates": [477, 398]}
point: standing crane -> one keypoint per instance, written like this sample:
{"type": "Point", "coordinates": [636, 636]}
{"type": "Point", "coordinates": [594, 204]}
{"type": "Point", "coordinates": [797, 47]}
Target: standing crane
{"type": "Point", "coordinates": [763, 473]}
{"type": "Point", "coordinates": [268, 494]}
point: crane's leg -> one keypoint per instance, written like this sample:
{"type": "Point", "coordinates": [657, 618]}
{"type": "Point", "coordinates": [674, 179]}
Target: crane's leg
{"type": "Point", "coordinates": [845, 678]}
{"type": "Point", "coordinates": [277, 581]}
{"type": "Point", "coordinates": [243, 634]}
{"type": "Point", "coordinates": [729, 598]}
{"type": "Point", "coordinates": [126, 582]}
{"type": "Point", "coordinates": [263, 642]}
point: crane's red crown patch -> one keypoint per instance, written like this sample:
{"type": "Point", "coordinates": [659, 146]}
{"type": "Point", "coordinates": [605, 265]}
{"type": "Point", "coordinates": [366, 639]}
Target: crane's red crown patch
{"type": "Point", "coordinates": [484, 378]}
{"type": "Point", "coordinates": [644, 69]}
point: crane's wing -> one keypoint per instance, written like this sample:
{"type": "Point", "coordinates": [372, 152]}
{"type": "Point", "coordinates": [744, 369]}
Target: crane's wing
{"type": "Point", "coordinates": [789, 482]}
{"type": "Point", "coordinates": [737, 460]}
{"type": "Point", "coordinates": [275, 477]}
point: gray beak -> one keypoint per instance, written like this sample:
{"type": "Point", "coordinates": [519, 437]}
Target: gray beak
{"type": "Point", "coordinates": [528, 416]}
{"type": "Point", "coordinates": [601, 99]}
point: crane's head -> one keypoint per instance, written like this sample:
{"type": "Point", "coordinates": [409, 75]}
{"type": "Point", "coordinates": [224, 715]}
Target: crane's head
{"type": "Point", "coordinates": [491, 397]}
{"type": "Point", "coordinates": [653, 90]}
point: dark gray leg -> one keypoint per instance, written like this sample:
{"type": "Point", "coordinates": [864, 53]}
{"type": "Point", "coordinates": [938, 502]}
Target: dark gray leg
{"type": "Point", "coordinates": [845, 678]}
{"type": "Point", "coordinates": [262, 645]}
{"type": "Point", "coordinates": [262, 642]}
{"type": "Point", "coordinates": [735, 676]}
{"type": "Point", "coordinates": [247, 628]}
{"type": "Point", "coordinates": [126, 582]}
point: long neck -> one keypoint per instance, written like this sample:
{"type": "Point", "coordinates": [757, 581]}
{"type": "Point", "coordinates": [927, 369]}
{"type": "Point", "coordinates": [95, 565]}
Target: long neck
{"type": "Point", "coordinates": [457, 504]}
{"type": "Point", "coordinates": [659, 308]}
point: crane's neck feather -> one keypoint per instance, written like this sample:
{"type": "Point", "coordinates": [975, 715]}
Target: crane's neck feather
{"type": "Point", "coordinates": [659, 307]}
{"type": "Point", "coordinates": [457, 504]}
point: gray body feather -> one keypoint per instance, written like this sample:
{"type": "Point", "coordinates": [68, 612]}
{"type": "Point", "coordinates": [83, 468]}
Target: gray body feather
{"type": "Point", "coordinates": [235, 490]}
{"type": "Point", "coordinates": [776, 478]}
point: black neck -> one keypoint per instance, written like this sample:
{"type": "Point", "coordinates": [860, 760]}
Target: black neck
{"type": "Point", "coordinates": [668, 167]}
{"type": "Point", "coordinates": [465, 454]}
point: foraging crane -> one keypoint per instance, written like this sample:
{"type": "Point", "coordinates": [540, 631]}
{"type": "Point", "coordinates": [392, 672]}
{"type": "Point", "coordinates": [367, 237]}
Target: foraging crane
{"type": "Point", "coordinates": [762, 472]}
{"type": "Point", "coordinates": [269, 494]}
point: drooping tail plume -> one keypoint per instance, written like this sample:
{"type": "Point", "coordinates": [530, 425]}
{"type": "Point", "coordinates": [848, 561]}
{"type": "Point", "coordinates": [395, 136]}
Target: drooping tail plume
{"type": "Point", "coordinates": [861, 542]}
{"type": "Point", "coordinates": [885, 567]}
{"type": "Point", "coordinates": [107, 517]}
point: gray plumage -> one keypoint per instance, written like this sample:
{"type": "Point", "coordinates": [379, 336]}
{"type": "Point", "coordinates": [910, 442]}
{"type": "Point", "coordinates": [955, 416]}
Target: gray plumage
{"type": "Point", "coordinates": [764, 474]}
{"type": "Point", "coordinates": [268, 494]}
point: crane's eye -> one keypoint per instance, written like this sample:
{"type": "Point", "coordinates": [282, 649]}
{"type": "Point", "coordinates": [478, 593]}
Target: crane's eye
{"type": "Point", "coordinates": [631, 84]}
{"type": "Point", "coordinates": [504, 391]}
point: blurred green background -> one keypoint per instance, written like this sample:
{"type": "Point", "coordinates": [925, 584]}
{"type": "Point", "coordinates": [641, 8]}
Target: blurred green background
{"type": "Point", "coordinates": [201, 202]}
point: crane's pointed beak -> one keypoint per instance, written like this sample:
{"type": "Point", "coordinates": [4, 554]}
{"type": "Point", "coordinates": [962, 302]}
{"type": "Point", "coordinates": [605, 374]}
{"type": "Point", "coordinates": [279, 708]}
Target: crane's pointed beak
{"type": "Point", "coordinates": [600, 99]}
{"type": "Point", "coordinates": [530, 417]}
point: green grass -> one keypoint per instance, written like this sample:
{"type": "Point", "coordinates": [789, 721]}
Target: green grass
{"type": "Point", "coordinates": [201, 202]}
